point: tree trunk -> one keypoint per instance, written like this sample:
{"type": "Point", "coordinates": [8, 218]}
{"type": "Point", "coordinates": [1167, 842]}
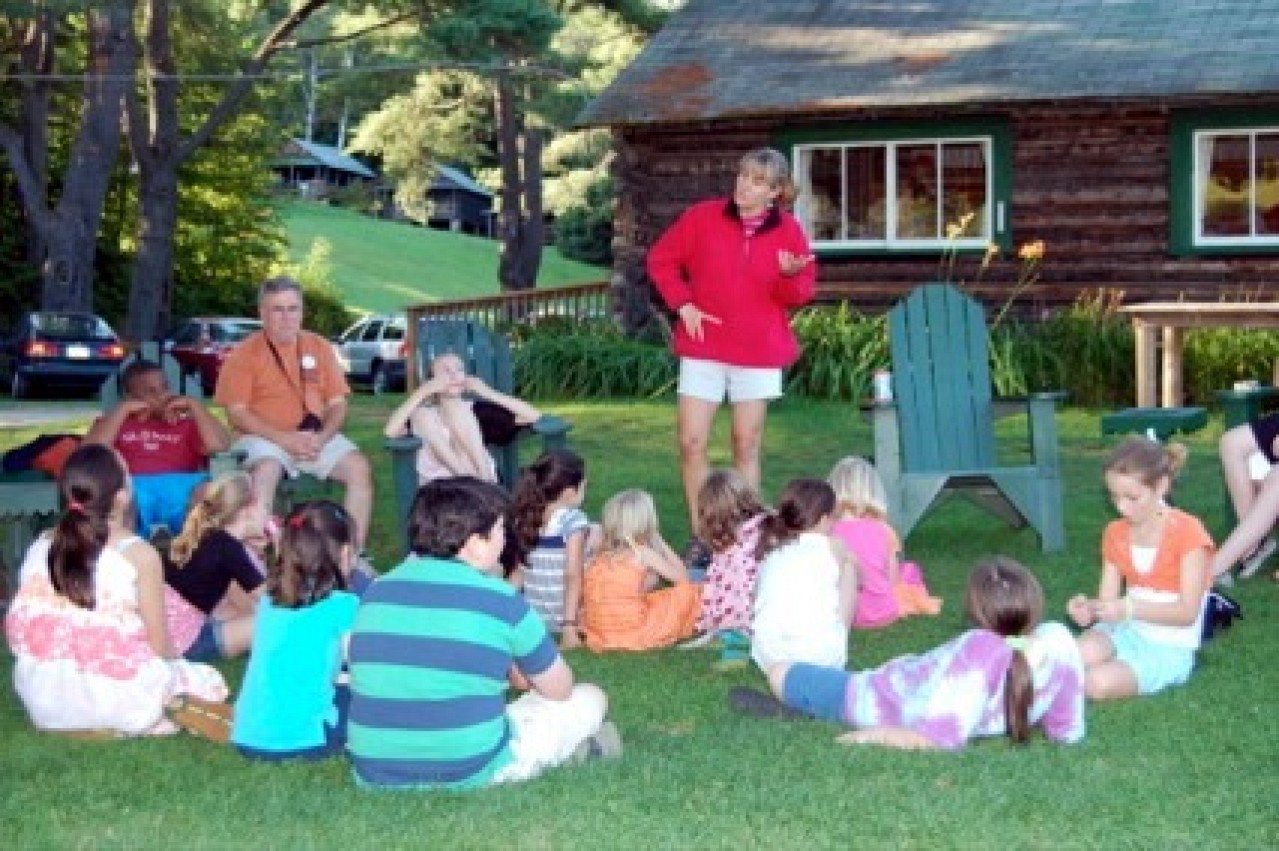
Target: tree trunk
{"type": "Point", "coordinates": [69, 231]}
{"type": "Point", "coordinates": [37, 60]}
{"type": "Point", "coordinates": [151, 289]}
{"type": "Point", "coordinates": [520, 153]}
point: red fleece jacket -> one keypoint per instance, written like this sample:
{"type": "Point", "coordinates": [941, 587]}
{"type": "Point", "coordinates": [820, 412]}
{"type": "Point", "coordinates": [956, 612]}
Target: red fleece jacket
{"type": "Point", "coordinates": [705, 258]}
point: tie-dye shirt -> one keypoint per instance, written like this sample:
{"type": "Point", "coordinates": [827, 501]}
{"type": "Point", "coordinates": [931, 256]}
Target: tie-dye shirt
{"type": "Point", "coordinates": [955, 692]}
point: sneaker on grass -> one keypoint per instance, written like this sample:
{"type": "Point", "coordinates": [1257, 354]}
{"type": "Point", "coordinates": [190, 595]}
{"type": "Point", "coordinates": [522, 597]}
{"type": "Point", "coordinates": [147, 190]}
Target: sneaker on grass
{"type": "Point", "coordinates": [604, 743]}
{"type": "Point", "coordinates": [1252, 563]}
{"type": "Point", "coordinates": [758, 704]}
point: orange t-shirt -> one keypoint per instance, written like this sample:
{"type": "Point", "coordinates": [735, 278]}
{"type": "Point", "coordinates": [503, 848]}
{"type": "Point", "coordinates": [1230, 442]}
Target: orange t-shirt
{"type": "Point", "coordinates": [252, 377]}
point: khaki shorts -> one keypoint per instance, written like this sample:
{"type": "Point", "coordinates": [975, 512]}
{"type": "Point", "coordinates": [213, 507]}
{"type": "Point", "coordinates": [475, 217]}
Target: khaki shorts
{"type": "Point", "coordinates": [255, 449]}
{"type": "Point", "coordinates": [712, 381]}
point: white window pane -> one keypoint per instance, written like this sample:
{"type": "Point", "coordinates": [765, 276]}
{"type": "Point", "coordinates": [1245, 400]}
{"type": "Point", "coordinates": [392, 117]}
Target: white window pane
{"type": "Point", "coordinates": [1226, 188]}
{"type": "Point", "coordinates": [1266, 181]}
{"type": "Point", "coordinates": [917, 192]}
{"type": "Point", "coordinates": [866, 193]}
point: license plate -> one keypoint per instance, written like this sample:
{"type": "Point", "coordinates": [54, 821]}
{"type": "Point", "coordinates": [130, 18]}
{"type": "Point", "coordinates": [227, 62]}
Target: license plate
{"type": "Point", "coordinates": [78, 352]}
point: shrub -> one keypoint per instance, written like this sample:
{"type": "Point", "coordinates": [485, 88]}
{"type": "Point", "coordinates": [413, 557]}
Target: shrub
{"type": "Point", "coordinates": [590, 361]}
{"type": "Point", "coordinates": [1215, 358]}
{"type": "Point", "coordinates": [841, 349]}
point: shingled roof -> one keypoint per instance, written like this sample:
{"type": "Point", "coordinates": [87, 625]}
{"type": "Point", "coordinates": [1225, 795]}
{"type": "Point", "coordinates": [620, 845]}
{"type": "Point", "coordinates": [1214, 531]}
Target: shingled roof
{"type": "Point", "coordinates": [743, 58]}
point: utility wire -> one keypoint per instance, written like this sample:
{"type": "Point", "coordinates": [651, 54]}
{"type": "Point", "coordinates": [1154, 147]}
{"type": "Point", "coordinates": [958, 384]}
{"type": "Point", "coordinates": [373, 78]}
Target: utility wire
{"type": "Point", "coordinates": [284, 76]}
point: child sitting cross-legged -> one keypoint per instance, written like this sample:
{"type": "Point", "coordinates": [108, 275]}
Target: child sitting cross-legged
{"type": "Point", "coordinates": [436, 641]}
{"type": "Point", "coordinates": [291, 705]}
{"type": "Point", "coordinates": [623, 609]}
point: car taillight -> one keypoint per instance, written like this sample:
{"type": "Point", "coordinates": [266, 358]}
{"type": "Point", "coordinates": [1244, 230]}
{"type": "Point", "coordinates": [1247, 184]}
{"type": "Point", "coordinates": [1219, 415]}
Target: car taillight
{"type": "Point", "coordinates": [115, 351]}
{"type": "Point", "coordinates": [403, 350]}
{"type": "Point", "coordinates": [40, 349]}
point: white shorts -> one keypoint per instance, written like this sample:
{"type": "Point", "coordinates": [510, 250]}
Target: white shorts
{"type": "Point", "coordinates": [544, 733]}
{"type": "Point", "coordinates": [255, 449]}
{"type": "Point", "coordinates": [711, 380]}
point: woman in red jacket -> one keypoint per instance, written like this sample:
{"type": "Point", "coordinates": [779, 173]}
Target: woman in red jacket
{"type": "Point", "coordinates": [731, 269]}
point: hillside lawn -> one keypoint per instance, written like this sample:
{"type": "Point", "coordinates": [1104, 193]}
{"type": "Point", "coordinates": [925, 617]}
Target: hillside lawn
{"type": "Point", "coordinates": [383, 266]}
{"type": "Point", "coordinates": [1194, 767]}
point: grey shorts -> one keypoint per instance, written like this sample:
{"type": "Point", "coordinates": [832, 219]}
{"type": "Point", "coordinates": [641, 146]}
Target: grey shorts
{"type": "Point", "coordinates": [255, 449]}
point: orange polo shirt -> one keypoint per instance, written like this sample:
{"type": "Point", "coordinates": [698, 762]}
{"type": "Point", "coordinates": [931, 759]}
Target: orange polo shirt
{"type": "Point", "coordinates": [308, 369]}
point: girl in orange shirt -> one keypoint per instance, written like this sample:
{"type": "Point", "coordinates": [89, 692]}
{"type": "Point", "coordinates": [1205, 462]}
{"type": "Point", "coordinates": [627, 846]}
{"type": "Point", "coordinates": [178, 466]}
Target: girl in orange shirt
{"type": "Point", "coordinates": [623, 609]}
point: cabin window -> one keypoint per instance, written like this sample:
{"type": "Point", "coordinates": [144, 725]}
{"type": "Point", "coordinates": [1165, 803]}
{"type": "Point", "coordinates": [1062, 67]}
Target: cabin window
{"type": "Point", "coordinates": [1236, 187]}
{"type": "Point", "coordinates": [909, 194]}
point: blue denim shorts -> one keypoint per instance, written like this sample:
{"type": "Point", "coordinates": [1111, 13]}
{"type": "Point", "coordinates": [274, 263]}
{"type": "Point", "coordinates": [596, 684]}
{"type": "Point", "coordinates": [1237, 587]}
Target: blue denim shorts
{"type": "Point", "coordinates": [816, 690]}
{"type": "Point", "coordinates": [207, 645]}
{"type": "Point", "coordinates": [1156, 666]}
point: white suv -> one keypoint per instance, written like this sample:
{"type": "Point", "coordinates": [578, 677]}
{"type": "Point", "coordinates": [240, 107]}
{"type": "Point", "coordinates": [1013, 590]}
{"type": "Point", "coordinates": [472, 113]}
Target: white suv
{"type": "Point", "coordinates": [372, 352]}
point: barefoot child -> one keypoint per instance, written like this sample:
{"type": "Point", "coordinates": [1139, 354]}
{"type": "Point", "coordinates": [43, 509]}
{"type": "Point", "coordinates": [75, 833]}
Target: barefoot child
{"type": "Point", "coordinates": [1145, 640]}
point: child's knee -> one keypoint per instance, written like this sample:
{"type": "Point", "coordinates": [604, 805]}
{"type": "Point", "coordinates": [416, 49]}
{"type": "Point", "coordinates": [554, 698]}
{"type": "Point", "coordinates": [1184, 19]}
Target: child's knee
{"type": "Point", "coordinates": [592, 698]}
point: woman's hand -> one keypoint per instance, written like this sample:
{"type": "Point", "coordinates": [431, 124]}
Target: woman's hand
{"type": "Point", "coordinates": [692, 317]}
{"type": "Point", "coordinates": [791, 263]}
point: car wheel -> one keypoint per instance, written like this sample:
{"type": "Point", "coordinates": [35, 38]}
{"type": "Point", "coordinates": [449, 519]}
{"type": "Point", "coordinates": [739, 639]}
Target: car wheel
{"type": "Point", "coordinates": [19, 386]}
{"type": "Point", "coordinates": [377, 379]}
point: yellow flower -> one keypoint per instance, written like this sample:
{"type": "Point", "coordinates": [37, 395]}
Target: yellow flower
{"type": "Point", "coordinates": [992, 251]}
{"type": "Point", "coordinates": [1032, 250]}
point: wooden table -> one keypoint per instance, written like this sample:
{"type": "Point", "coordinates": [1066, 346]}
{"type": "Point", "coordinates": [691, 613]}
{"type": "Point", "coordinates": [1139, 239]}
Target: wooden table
{"type": "Point", "coordinates": [1169, 320]}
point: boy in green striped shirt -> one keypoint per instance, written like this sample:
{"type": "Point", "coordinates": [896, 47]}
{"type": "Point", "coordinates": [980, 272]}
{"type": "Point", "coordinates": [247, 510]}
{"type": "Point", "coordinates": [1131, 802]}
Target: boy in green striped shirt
{"type": "Point", "coordinates": [437, 642]}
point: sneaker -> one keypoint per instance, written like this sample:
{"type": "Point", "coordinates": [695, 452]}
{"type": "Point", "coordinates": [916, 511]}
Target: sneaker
{"type": "Point", "coordinates": [698, 641]}
{"type": "Point", "coordinates": [758, 704]}
{"type": "Point", "coordinates": [208, 719]}
{"type": "Point", "coordinates": [604, 743]}
{"type": "Point", "coordinates": [697, 555]}
{"type": "Point", "coordinates": [1252, 563]}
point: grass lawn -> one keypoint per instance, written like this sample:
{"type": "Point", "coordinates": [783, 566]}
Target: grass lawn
{"type": "Point", "coordinates": [382, 266]}
{"type": "Point", "coordinates": [1192, 768]}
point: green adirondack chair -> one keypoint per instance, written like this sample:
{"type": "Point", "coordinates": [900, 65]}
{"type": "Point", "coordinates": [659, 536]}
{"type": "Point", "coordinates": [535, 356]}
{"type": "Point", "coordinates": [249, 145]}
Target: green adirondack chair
{"type": "Point", "coordinates": [486, 354]}
{"type": "Point", "coordinates": [937, 436]}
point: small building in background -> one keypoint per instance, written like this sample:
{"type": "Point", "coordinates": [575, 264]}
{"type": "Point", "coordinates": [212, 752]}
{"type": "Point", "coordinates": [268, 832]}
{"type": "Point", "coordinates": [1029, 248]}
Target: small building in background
{"type": "Point", "coordinates": [314, 171]}
{"type": "Point", "coordinates": [460, 204]}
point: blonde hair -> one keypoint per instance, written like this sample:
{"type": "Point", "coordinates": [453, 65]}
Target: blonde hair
{"type": "Point", "coordinates": [724, 502]}
{"type": "Point", "coordinates": [222, 500]}
{"type": "Point", "coordinates": [859, 489]}
{"type": "Point", "coordinates": [1147, 460]}
{"type": "Point", "coordinates": [629, 517]}
{"type": "Point", "coordinates": [776, 169]}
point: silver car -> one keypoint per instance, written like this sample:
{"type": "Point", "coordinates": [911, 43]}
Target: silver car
{"type": "Point", "coordinates": [372, 352]}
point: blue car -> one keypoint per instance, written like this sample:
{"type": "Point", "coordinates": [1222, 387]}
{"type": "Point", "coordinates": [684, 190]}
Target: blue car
{"type": "Point", "coordinates": [68, 350]}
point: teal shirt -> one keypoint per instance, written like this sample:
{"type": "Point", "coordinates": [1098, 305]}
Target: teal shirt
{"type": "Point", "coordinates": [287, 694]}
{"type": "Point", "coordinates": [432, 645]}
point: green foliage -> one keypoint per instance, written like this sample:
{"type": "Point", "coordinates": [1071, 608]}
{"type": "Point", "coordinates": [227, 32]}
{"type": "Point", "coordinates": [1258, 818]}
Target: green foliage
{"type": "Point", "coordinates": [584, 231]}
{"type": "Point", "coordinates": [841, 349]}
{"type": "Point", "coordinates": [326, 308]}
{"type": "Point", "coordinates": [567, 359]}
{"type": "Point", "coordinates": [1215, 358]}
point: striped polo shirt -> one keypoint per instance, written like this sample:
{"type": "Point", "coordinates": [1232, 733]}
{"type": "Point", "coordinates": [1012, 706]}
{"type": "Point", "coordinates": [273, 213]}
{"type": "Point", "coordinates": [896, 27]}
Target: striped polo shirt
{"type": "Point", "coordinates": [430, 650]}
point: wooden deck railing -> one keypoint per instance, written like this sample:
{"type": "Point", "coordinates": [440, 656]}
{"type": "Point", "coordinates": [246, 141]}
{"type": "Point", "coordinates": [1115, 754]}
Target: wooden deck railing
{"type": "Point", "coordinates": [594, 301]}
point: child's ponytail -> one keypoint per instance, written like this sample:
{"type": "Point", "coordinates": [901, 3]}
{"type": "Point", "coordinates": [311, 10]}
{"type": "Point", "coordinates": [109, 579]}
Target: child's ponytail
{"type": "Point", "coordinates": [90, 480]}
{"type": "Point", "coordinates": [1006, 598]}
{"type": "Point", "coordinates": [800, 507]}
{"type": "Point", "coordinates": [540, 484]}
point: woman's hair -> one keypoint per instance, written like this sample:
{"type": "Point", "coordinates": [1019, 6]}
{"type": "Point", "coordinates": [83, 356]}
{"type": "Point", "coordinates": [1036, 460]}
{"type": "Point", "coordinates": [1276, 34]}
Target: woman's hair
{"type": "Point", "coordinates": [629, 517]}
{"type": "Point", "coordinates": [90, 480]}
{"type": "Point", "coordinates": [859, 488]}
{"type": "Point", "coordinates": [724, 502]}
{"type": "Point", "coordinates": [222, 499]}
{"type": "Point", "coordinates": [776, 169]}
{"type": "Point", "coordinates": [800, 507]}
{"type": "Point", "coordinates": [1006, 598]}
{"type": "Point", "coordinates": [1147, 460]}
{"type": "Point", "coordinates": [308, 566]}
{"type": "Point", "coordinates": [540, 484]}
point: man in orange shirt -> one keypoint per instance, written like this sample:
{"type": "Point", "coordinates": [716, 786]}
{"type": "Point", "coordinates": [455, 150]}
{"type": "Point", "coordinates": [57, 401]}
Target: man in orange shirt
{"type": "Point", "coordinates": [285, 395]}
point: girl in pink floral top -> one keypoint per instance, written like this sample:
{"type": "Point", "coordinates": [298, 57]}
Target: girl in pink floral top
{"type": "Point", "coordinates": [87, 627]}
{"type": "Point", "coordinates": [728, 517]}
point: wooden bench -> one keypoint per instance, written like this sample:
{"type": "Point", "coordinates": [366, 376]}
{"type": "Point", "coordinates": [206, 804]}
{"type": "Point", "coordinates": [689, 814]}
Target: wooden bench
{"type": "Point", "coordinates": [487, 355]}
{"type": "Point", "coordinates": [1163, 422]}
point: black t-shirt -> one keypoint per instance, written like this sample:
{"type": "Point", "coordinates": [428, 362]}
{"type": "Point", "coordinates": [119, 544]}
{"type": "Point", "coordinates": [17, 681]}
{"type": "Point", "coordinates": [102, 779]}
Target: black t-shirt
{"type": "Point", "coordinates": [218, 560]}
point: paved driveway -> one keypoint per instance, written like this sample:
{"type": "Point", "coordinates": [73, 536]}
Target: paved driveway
{"type": "Point", "coordinates": [37, 412]}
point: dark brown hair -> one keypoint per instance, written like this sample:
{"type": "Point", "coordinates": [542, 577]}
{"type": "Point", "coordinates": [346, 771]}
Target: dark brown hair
{"type": "Point", "coordinates": [801, 506]}
{"type": "Point", "coordinates": [1006, 598]}
{"type": "Point", "coordinates": [309, 565]}
{"type": "Point", "coordinates": [1147, 460]}
{"type": "Point", "coordinates": [540, 484]}
{"type": "Point", "coordinates": [90, 480]}
{"type": "Point", "coordinates": [724, 502]}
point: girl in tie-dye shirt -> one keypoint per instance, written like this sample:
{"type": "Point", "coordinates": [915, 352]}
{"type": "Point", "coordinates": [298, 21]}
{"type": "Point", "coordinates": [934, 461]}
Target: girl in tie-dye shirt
{"type": "Point", "coordinates": [1005, 676]}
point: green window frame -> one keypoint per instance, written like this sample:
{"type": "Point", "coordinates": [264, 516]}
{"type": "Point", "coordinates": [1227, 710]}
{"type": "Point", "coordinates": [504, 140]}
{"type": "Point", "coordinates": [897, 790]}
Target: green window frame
{"type": "Point", "coordinates": [1224, 173]}
{"type": "Point", "coordinates": [902, 188]}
